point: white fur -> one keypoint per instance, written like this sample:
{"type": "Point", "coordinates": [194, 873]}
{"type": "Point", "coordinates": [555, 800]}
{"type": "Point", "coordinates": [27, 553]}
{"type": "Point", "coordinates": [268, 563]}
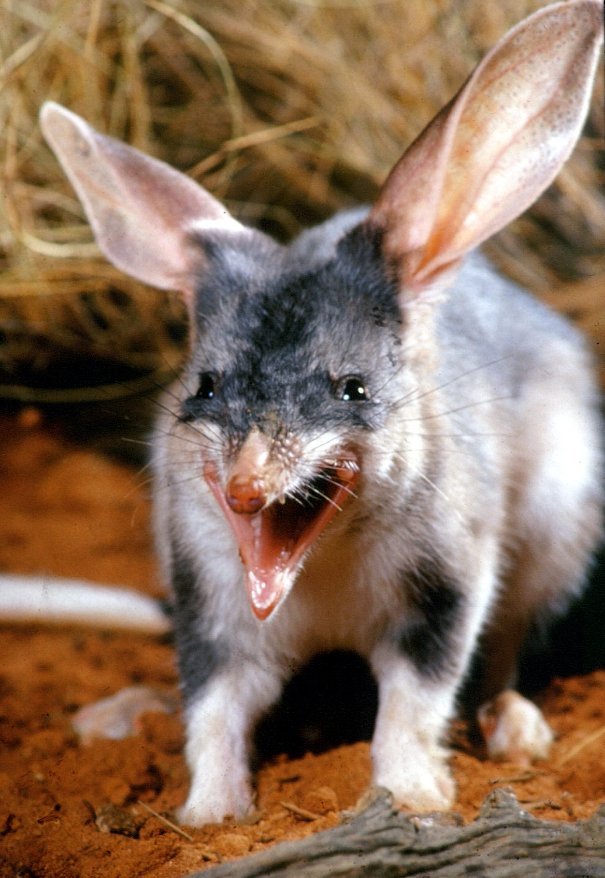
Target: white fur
{"type": "Point", "coordinates": [514, 729]}
{"type": "Point", "coordinates": [219, 725]}
{"type": "Point", "coordinates": [50, 600]}
{"type": "Point", "coordinates": [407, 756]}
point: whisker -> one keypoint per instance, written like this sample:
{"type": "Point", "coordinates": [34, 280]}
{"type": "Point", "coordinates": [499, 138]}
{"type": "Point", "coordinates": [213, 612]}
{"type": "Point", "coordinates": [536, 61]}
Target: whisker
{"type": "Point", "coordinates": [461, 408]}
{"type": "Point", "coordinates": [207, 441]}
{"type": "Point", "coordinates": [314, 491]}
{"type": "Point", "coordinates": [422, 475]}
{"type": "Point", "coordinates": [337, 484]}
{"type": "Point", "coordinates": [178, 482]}
{"type": "Point", "coordinates": [132, 441]}
{"type": "Point", "coordinates": [459, 377]}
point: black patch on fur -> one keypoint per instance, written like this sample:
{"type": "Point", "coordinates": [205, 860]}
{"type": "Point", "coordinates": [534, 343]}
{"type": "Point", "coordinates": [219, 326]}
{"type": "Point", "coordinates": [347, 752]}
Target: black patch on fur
{"type": "Point", "coordinates": [288, 336]}
{"type": "Point", "coordinates": [331, 701]}
{"type": "Point", "coordinates": [198, 655]}
{"type": "Point", "coordinates": [437, 604]}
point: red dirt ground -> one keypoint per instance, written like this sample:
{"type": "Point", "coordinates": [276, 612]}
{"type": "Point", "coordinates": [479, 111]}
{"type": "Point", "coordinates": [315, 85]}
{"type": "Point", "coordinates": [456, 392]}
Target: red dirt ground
{"type": "Point", "coordinates": [74, 811]}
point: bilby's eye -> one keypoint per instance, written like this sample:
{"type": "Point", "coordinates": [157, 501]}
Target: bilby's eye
{"type": "Point", "coordinates": [206, 387]}
{"type": "Point", "coordinates": [351, 389]}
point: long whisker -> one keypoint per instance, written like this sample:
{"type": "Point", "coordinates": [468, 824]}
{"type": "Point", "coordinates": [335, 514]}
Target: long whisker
{"type": "Point", "coordinates": [315, 491]}
{"type": "Point", "coordinates": [480, 368]}
{"type": "Point", "coordinates": [337, 484]}
{"type": "Point", "coordinates": [461, 408]}
{"type": "Point", "coordinates": [422, 475]}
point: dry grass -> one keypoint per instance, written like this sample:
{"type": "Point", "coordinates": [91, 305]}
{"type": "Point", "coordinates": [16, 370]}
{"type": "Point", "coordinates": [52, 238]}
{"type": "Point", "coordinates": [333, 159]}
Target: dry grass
{"type": "Point", "coordinates": [286, 109]}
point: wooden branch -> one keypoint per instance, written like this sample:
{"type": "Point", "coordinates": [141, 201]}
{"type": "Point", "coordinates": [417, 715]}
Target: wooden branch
{"type": "Point", "coordinates": [503, 842]}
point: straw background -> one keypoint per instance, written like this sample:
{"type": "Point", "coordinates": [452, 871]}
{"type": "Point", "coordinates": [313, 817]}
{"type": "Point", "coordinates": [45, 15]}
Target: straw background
{"type": "Point", "coordinates": [285, 109]}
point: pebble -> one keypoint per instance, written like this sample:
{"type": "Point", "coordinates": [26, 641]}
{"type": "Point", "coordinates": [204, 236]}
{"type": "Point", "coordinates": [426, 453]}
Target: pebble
{"type": "Point", "coordinates": [321, 800]}
{"type": "Point", "coordinates": [231, 844]}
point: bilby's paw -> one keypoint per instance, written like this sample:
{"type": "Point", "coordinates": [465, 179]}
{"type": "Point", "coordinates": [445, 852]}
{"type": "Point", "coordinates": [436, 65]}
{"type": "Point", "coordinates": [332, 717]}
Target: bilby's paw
{"type": "Point", "coordinates": [119, 715]}
{"type": "Point", "coordinates": [419, 781]}
{"type": "Point", "coordinates": [514, 729]}
{"type": "Point", "coordinates": [216, 792]}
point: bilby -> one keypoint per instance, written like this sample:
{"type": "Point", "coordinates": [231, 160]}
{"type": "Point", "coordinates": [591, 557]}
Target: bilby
{"type": "Point", "coordinates": [378, 443]}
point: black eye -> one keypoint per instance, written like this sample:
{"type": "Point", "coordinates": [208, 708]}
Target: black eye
{"type": "Point", "coordinates": [351, 389]}
{"type": "Point", "coordinates": [207, 386]}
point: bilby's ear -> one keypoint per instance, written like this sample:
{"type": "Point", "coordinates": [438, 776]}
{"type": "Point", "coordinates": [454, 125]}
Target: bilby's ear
{"type": "Point", "coordinates": [491, 151]}
{"type": "Point", "coordinates": [142, 211]}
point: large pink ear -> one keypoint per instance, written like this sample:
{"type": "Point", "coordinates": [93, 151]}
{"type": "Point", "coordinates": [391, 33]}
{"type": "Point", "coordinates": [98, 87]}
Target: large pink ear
{"type": "Point", "coordinates": [142, 211]}
{"type": "Point", "coordinates": [499, 143]}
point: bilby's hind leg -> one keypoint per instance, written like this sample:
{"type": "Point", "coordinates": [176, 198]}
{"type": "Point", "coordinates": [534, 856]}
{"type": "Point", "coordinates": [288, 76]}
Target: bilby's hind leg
{"type": "Point", "coordinates": [512, 726]}
{"type": "Point", "coordinates": [558, 527]}
{"type": "Point", "coordinates": [514, 729]}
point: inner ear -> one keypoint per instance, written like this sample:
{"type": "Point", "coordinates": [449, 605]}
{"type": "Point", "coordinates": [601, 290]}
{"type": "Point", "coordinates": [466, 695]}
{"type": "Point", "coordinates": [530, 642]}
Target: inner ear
{"type": "Point", "coordinates": [145, 215]}
{"type": "Point", "coordinates": [495, 147]}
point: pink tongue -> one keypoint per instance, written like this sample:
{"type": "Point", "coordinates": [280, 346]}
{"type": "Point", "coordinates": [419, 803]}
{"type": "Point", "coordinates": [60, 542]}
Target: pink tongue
{"type": "Point", "coordinates": [266, 554]}
{"type": "Point", "coordinates": [265, 590]}
{"type": "Point", "coordinates": [272, 542]}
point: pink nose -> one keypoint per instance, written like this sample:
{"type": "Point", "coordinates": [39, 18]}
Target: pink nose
{"type": "Point", "coordinates": [245, 494]}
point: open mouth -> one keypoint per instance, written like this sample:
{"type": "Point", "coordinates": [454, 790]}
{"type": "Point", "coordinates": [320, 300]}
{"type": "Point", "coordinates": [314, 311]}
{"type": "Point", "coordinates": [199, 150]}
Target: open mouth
{"type": "Point", "coordinates": [273, 540]}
